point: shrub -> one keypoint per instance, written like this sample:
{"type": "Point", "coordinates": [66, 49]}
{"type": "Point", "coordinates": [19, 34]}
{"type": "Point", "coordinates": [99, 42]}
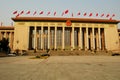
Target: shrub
{"type": "Point", "coordinates": [37, 56]}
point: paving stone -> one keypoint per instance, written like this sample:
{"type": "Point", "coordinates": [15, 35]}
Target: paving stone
{"type": "Point", "coordinates": [60, 68]}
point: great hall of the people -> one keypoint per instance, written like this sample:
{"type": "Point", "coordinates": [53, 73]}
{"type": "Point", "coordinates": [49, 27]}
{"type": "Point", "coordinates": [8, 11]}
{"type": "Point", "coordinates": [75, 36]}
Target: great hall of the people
{"type": "Point", "coordinates": [43, 33]}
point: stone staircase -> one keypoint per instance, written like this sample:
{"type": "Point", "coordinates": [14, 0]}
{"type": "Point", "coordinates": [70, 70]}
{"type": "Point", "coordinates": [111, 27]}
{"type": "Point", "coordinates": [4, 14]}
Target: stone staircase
{"type": "Point", "coordinates": [70, 53]}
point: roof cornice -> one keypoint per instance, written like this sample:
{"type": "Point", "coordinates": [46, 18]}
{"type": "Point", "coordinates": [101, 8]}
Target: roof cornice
{"type": "Point", "coordinates": [6, 28]}
{"type": "Point", "coordinates": [85, 20]}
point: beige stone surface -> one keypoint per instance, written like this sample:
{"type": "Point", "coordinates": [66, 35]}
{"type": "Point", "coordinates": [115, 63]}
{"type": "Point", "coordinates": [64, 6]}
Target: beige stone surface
{"type": "Point", "coordinates": [111, 39]}
{"type": "Point", "coordinates": [60, 68]}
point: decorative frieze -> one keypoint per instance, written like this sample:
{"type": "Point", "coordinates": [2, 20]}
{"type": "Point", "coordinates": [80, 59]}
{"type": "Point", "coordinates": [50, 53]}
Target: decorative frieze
{"type": "Point", "coordinates": [83, 24]}
{"type": "Point", "coordinates": [21, 23]}
{"type": "Point", "coordinates": [111, 25]}
{"type": "Point", "coordinates": [101, 25]}
{"type": "Point", "coordinates": [38, 24]}
{"type": "Point", "coordinates": [52, 24]}
{"type": "Point", "coordinates": [45, 24]}
{"type": "Point", "coordinates": [76, 24]}
{"type": "Point", "coordinates": [89, 25]}
{"type": "Point", "coordinates": [96, 25]}
{"type": "Point", "coordinates": [59, 24]}
{"type": "Point", "coordinates": [32, 23]}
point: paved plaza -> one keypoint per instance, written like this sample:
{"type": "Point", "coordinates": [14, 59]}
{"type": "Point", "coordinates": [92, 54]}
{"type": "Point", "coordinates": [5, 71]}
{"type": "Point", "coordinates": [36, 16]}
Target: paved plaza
{"type": "Point", "coordinates": [60, 68]}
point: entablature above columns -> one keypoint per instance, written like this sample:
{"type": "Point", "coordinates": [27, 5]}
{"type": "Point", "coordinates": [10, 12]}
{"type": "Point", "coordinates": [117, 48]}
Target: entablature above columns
{"type": "Point", "coordinates": [61, 24]}
{"type": "Point", "coordinates": [20, 23]}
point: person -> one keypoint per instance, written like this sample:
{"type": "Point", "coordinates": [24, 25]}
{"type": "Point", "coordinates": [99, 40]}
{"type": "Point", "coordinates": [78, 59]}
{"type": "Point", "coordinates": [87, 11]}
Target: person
{"type": "Point", "coordinates": [48, 50]}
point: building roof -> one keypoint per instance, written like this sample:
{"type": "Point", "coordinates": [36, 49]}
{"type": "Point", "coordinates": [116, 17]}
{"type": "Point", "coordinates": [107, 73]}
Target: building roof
{"type": "Point", "coordinates": [57, 19]}
{"type": "Point", "coordinates": [6, 28]}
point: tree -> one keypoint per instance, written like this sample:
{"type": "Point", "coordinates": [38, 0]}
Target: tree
{"type": "Point", "coordinates": [4, 45]}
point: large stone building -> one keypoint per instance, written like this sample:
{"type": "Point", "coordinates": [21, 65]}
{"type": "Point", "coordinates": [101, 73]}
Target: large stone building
{"type": "Point", "coordinates": [42, 33]}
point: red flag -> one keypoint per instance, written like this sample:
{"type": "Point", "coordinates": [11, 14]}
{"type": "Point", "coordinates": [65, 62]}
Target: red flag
{"type": "Point", "coordinates": [90, 14]}
{"type": "Point", "coordinates": [41, 12]}
{"type": "Point", "coordinates": [96, 14]}
{"type": "Point", "coordinates": [28, 12]}
{"type": "Point", "coordinates": [62, 13]}
{"type": "Point", "coordinates": [113, 15]}
{"type": "Point", "coordinates": [72, 15]}
{"type": "Point", "coordinates": [85, 14]}
{"type": "Point", "coordinates": [34, 13]}
{"type": "Point", "coordinates": [54, 13]}
{"type": "Point", "coordinates": [17, 15]}
{"type": "Point", "coordinates": [66, 11]}
{"type": "Point", "coordinates": [48, 13]}
{"type": "Point", "coordinates": [21, 12]}
{"type": "Point", "coordinates": [15, 12]}
{"type": "Point", "coordinates": [110, 19]}
{"type": "Point", "coordinates": [107, 15]}
{"type": "Point", "coordinates": [78, 13]}
{"type": "Point", "coordinates": [102, 15]}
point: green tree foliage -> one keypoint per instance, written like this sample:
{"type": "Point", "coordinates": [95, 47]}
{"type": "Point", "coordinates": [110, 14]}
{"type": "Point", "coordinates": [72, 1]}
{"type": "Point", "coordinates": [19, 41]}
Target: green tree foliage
{"type": "Point", "coordinates": [4, 45]}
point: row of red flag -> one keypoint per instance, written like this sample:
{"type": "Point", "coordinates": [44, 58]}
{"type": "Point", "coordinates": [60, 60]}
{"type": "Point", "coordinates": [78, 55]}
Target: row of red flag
{"type": "Point", "coordinates": [63, 13]}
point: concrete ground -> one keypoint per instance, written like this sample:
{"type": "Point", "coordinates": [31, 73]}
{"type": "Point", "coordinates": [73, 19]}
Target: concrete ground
{"type": "Point", "coordinates": [60, 68]}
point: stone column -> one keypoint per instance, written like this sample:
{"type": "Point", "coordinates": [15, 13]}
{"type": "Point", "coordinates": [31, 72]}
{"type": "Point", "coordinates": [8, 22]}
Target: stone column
{"type": "Point", "coordinates": [63, 42]}
{"type": "Point", "coordinates": [10, 34]}
{"type": "Point", "coordinates": [12, 39]}
{"type": "Point", "coordinates": [42, 37]}
{"type": "Point", "coordinates": [72, 38]}
{"type": "Point", "coordinates": [2, 35]}
{"type": "Point", "coordinates": [48, 37]}
{"type": "Point", "coordinates": [81, 38]}
{"type": "Point", "coordinates": [35, 38]}
{"type": "Point", "coordinates": [55, 37]}
{"type": "Point", "coordinates": [99, 38]}
{"type": "Point", "coordinates": [87, 42]}
{"type": "Point", "coordinates": [5, 34]}
{"type": "Point", "coordinates": [93, 39]}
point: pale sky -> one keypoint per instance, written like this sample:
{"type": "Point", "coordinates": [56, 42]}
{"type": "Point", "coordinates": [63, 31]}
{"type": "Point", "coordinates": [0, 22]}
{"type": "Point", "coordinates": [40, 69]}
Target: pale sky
{"type": "Point", "coordinates": [7, 7]}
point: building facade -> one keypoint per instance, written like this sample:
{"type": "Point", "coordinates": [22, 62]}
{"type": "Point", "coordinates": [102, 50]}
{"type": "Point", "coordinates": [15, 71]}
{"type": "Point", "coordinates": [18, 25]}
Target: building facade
{"type": "Point", "coordinates": [42, 33]}
{"type": "Point", "coordinates": [7, 32]}
{"type": "Point", "coordinates": [119, 36]}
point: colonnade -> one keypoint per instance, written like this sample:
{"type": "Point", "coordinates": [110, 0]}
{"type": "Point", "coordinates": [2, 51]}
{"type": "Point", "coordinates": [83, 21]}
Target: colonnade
{"type": "Point", "coordinates": [81, 38]}
{"type": "Point", "coordinates": [7, 34]}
